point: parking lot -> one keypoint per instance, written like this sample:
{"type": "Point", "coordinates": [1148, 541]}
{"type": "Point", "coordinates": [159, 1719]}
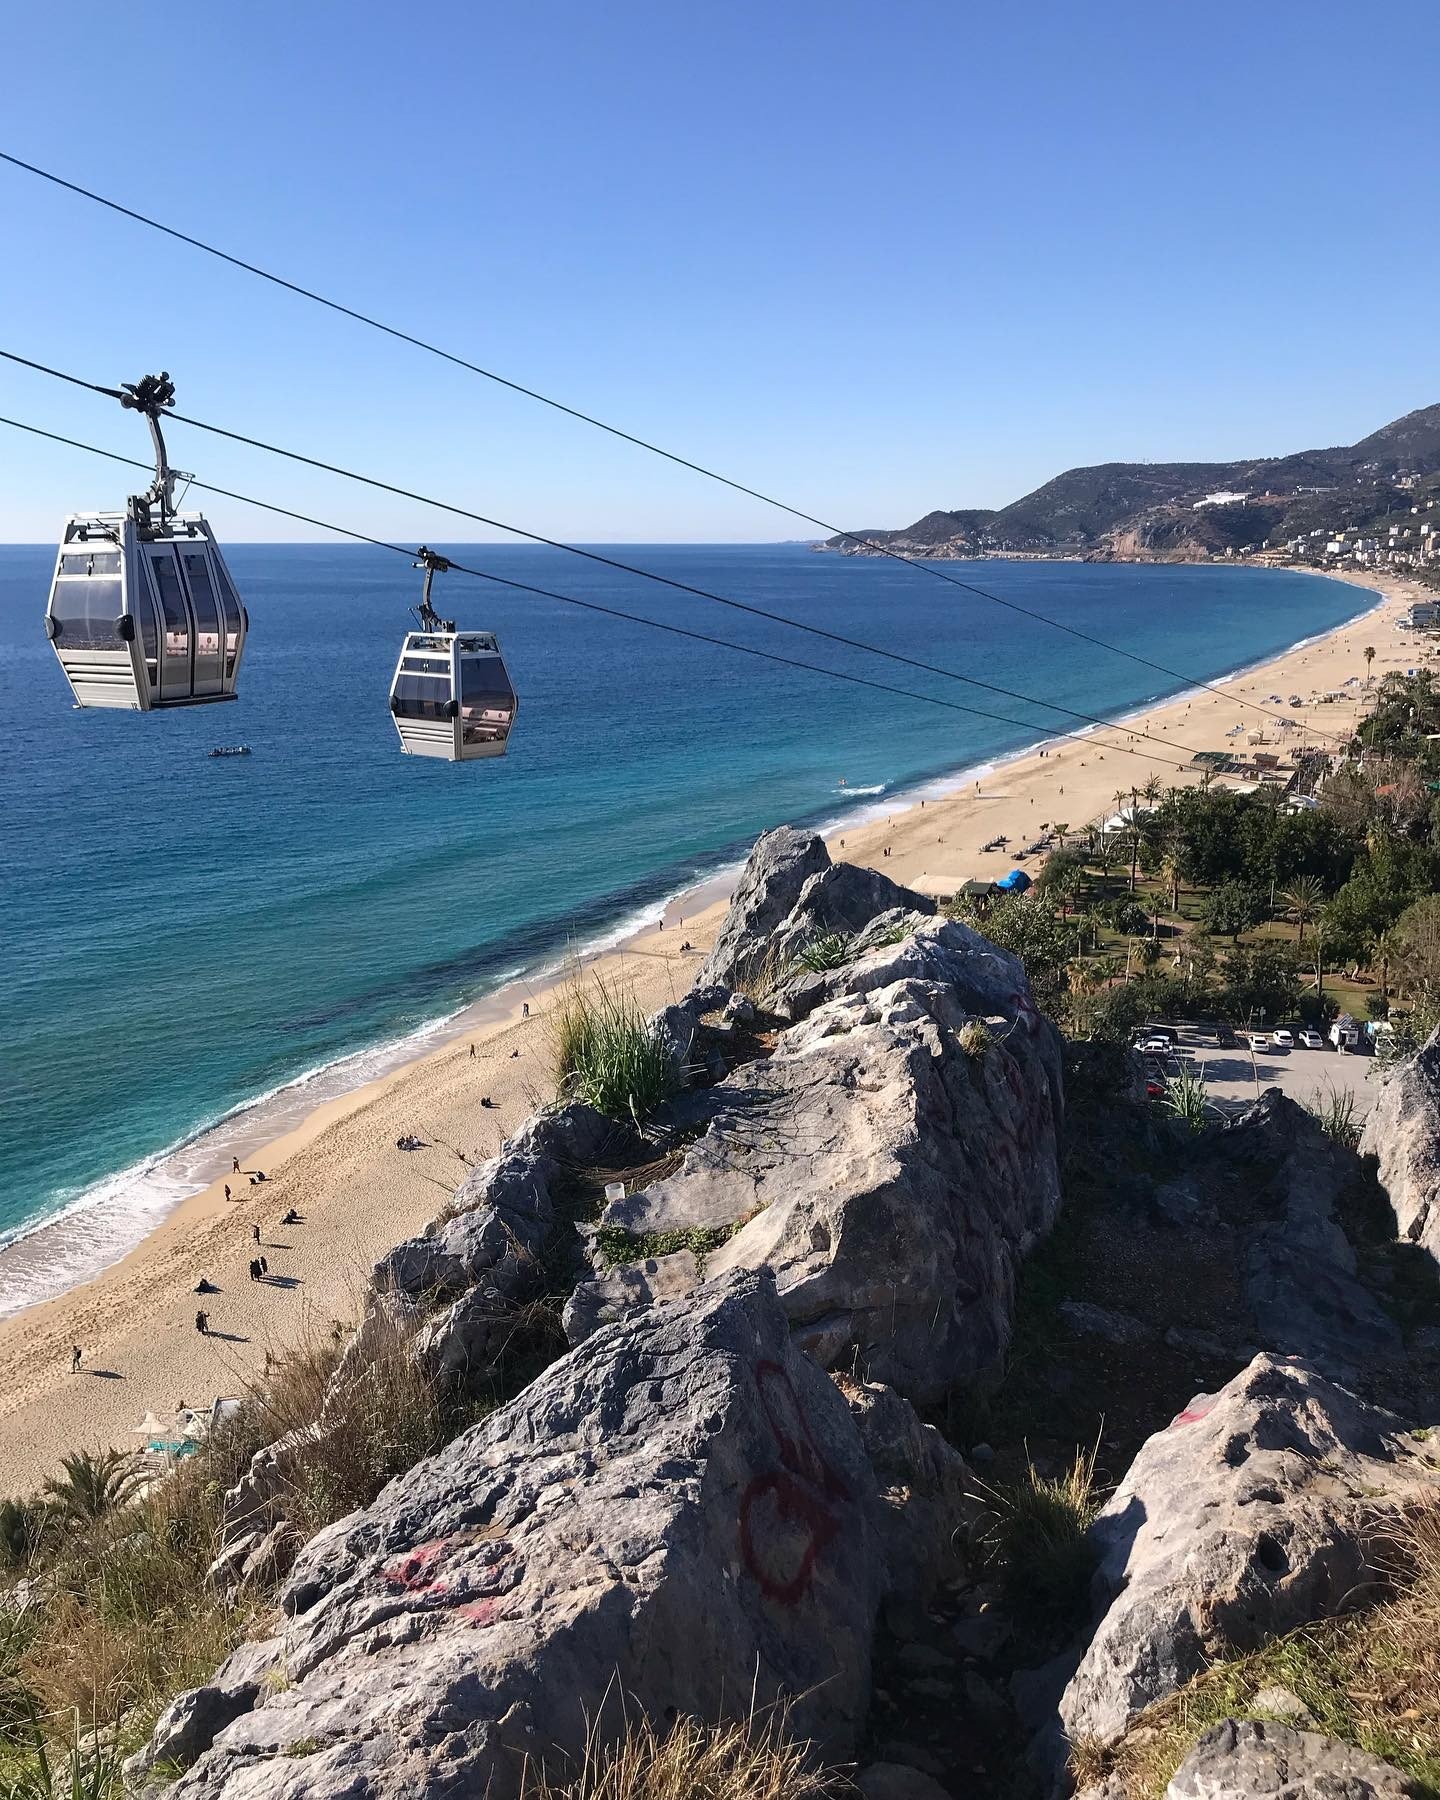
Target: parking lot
{"type": "Point", "coordinates": [1234, 1077]}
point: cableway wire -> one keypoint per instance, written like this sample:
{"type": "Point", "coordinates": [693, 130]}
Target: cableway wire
{"type": "Point", "coordinates": [612, 612]}
{"type": "Point", "coordinates": [628, 437]}
{"type": "Point", "coordinates": [610, 562]}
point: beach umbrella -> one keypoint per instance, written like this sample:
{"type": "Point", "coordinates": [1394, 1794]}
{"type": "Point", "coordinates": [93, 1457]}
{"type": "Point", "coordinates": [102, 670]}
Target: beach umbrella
{"type": "Point", "coordinates": [148, 1427]}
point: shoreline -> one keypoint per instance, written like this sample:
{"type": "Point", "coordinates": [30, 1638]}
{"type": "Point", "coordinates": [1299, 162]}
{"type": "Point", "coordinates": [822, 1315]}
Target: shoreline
{"type": "Point", "coordinates": [337, 1162]}
{"type": "Point", "coordinates": [44, 1258]}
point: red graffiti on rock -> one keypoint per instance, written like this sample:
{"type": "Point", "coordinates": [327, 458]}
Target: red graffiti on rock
{"type": "Point", "coordinates": [415, 1571]}
{"type": "Point", "coordinates": [787, 1516]}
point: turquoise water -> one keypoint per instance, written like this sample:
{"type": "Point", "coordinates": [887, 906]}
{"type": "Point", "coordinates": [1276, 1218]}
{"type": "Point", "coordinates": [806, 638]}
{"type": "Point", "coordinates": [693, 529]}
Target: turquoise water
{"type": "Point", "coordinates": [182, 935]}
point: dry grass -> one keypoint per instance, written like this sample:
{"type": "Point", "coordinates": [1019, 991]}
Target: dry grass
{"type": "Point", "coordinates": [753, 1759]}
{"type": "Point", "coordinates": [381, 1420]}
{"type": "Point", "coordinates": [122, 1615]}
{"type": "Point", "coordinates": [1371, 1679]}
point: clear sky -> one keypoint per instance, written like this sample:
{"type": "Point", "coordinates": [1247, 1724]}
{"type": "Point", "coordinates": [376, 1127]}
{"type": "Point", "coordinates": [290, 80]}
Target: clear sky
{"type": "Point", "coordinates": [875, 257]}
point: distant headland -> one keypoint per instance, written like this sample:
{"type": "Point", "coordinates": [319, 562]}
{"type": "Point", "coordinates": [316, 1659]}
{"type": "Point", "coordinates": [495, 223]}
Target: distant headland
{"type": "Point", "coordinates": [1375, 503]}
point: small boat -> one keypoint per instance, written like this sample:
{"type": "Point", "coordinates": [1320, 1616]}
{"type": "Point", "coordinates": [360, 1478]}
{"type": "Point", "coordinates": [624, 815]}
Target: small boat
{"type": "Point", "coordinates": [231, 750]}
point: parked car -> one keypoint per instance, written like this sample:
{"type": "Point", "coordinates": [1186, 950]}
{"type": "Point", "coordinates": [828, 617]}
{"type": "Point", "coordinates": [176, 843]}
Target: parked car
{"type": "Point", "coordinates": [1311, 1040]}
{"type": "Point", "coordinates": [1283, 1039]}
{"type": "Point", "coordinates": [1154, 1088]}
{"type": "Point", "coordinates": [1257, 1040]}
{"type": "Point", "coordinates": [1154, 1046]}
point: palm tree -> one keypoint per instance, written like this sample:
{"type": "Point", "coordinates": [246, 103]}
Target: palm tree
{"type": "Point", "coordinates": [1152, 790]}
{"type": "Point", "coordinates": [1105, 859]}
{"type": "Point", "coordinates": [1369, 658]}
{"type": "Point", "coordinates": [1302, 901]}
{"type": "Point", "coordinates": [96, 1482]}
{"type": "Point", "coordinates": [1170, 869]}
{"type": "Point", "coordinates": [1062, 831]}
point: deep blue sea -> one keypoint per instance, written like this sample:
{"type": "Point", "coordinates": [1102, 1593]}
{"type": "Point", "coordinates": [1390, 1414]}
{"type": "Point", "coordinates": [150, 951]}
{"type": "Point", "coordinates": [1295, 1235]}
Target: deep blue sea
{"type": "Point", "coordinates": [182, 934]}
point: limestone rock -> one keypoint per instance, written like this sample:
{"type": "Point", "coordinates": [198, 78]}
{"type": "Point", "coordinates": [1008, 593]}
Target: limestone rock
{"type": "Point", "coordinates": [1246, 1760]}
{"type": "Point", "coordinates": [191, 1722]}
{"type": "Point", "coordinates": [778, 867]}
{"type": "Point", "coordinates": [1252, 1513]}
{"type": "Point", "coordinates": [610, 1296]}
{"type": "Point", "coordinates": [891, 1181]}
{"type": "Point", "coordinates": [1403, 1132]}
{"type": "Point", "coordinates": [1300, 1270]}
{"type": "Point", "coordinates": [675, 1517]}
{"type": "Point", "coordinates": [843, 898]}
{"type": "Point", "coordinates": [927, 1493]}
{"type": "Point", "coordinates": [898, 1781]}
{"type": "Point", "coordinates": [501, 1214]}
{"type": "Point", "coordinates": [1089, 1320]}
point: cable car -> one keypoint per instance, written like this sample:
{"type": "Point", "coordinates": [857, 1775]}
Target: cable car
{"type": "Point", "coordinates": [452, 696]}
{"type": "Point", "coordinates": [143, 612]}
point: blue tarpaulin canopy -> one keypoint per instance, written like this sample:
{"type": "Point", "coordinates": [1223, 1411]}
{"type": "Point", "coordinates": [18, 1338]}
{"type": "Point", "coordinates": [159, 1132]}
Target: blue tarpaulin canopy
{"type": "Point", "coordinates": [1015, 882]}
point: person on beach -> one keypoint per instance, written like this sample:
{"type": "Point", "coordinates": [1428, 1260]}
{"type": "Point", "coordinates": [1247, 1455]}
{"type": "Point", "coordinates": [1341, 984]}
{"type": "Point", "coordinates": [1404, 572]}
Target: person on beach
{"type": "Point", "coordinates": [76, 1353]}
{"type": "Point", "coordinates": [524, 1009]}
{"type": "Point", "coordinates": [202, 1323]}
{"type": "Point", "coordinates": [255, 1233]}
{"type": "Point", "coordinates": [234, 1165]}
{"type": "Point", "coordinates": [472, 1053]}
{"type": "Point", "coordinates": [291, 1217]}
{"type": "Point", "coordinates": [227, 1190]}
{"type": "Point", "coordinates": [254, 1269]}
{"type": "Point", "coordinates": [264, 1266]}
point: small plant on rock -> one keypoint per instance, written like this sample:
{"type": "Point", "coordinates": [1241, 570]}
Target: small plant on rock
{"type": "Point", "coordinates": [830, 950]}
{"type": "Point", "coordinates": [975, 1038]}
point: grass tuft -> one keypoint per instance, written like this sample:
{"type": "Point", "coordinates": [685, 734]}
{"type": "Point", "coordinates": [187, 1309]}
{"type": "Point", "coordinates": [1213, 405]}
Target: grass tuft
{"type": "Point", "coordinates": [976, 1038]}
{"type": "Point", "coordinates": [1036, 1536]}
{"type": "Point", "coordinates": [1335, 1109]}
{"type": "Point", "coordinates": [605, 1053]}
{"type": "Point", "coordinates": [750, 1760]}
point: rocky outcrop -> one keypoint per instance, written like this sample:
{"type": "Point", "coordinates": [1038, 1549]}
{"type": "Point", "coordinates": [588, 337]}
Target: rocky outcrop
{"type": "Point", "coordinates": [1247, 1760]}
{"type": "Point", "coordinates": [1300, 1269]}
{"type": "Point", "coordinates": [843, 899]}
{"type": "Point", "coordinates": [891, 1165]}
{"type": "Point", "coordinates": [1254, 1512]}
{"type": "Point", "coordinates": [778, 867]}
{"type": "Point", "coordinates": [1403, 1133]}
{"type": "Point", "coordinates": [677, 1517]}
{"type": "Point", "coordinates": [928, 1498]}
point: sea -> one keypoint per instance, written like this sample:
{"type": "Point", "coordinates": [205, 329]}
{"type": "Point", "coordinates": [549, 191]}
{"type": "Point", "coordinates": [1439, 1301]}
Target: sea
{"type": "Point", "coordinates": [194, 951]}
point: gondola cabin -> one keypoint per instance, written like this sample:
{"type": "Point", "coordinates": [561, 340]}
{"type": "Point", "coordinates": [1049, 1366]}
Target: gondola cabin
{"type": "Point", "coordinates": [142, 618]}
{"type": "Point", "coordinates": [452, 696]}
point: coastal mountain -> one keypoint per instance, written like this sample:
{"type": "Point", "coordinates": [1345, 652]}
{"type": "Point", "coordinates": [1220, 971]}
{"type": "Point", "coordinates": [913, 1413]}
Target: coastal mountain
{"type": "Point", "coordinates": [1189, 509]}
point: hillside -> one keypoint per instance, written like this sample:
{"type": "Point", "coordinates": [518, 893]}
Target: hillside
{"type": "Point", "coordinates": [1155, 509]}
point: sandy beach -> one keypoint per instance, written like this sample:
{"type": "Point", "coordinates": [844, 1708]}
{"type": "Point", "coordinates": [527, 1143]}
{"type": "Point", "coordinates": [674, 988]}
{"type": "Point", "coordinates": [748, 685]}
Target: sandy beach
{"type": "Point", "coordinates": [356, 1192]}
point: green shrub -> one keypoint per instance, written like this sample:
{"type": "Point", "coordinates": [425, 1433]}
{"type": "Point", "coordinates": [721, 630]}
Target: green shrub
{"type": "Point", "coordinates": [1335, 1109]}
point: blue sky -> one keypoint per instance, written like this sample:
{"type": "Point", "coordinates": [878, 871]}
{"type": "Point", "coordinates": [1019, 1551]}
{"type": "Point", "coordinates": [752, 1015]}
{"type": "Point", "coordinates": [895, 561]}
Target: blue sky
{"type": "Point", "coordinates": [876, 258]}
